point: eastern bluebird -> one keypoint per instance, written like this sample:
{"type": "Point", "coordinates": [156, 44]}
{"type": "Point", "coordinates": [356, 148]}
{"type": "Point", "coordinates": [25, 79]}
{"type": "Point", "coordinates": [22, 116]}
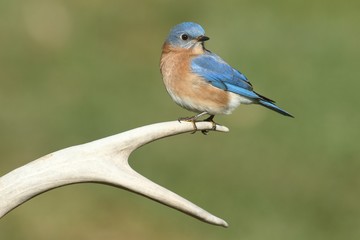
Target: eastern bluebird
{"type": "Point", "coordinates": [202, 82]}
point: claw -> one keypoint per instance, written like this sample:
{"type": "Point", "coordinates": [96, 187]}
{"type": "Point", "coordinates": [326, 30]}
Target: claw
{"type": "Point", "coordinates": [190, 119]}
{"type": "Point", "coordinates": [193, 120]}
{"type": "Point", "coordinates": [210, 119]}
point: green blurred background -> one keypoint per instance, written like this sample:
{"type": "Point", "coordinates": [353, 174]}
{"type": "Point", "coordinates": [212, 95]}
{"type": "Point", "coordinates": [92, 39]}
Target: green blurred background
{"type": "Point", "coordinates": [75, 71]}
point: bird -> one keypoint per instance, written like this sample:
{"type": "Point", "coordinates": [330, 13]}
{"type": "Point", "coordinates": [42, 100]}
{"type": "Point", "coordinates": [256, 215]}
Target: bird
{"type": "Point", "coordinates": [201, 81]}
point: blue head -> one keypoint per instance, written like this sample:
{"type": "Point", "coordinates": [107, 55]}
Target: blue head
{"type": "Point", "coordinates": [186, 35]}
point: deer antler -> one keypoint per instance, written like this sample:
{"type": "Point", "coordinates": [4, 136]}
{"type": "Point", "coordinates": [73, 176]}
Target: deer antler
{"type": "Point", "coordinates": [102, 161]}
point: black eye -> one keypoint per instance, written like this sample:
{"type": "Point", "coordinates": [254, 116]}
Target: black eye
{"type": "Point", "coordinates": [184, 37]}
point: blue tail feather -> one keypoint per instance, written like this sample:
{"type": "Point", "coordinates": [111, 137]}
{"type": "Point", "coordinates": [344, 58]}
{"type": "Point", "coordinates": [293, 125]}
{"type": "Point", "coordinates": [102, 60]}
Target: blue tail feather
{"type": "Point", "coordinates": [273, 107]}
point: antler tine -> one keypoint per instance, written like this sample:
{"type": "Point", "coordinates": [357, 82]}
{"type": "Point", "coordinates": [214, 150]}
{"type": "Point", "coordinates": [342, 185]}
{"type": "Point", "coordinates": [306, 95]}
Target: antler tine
{"type": "Point", "coordinates": [103, 161]}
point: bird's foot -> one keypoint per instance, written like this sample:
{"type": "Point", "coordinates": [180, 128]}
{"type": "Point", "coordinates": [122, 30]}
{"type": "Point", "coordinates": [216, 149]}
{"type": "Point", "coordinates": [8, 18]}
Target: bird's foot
{"type": "Point", "coordinates": [210, 119]}
{"type": "Point", "coordinates": [190, 119]}
{"type": "Point", "coordinates": [193, 120]}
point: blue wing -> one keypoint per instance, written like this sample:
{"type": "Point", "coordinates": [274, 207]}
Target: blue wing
{"type": "Point", "coordinates": [221, 75]}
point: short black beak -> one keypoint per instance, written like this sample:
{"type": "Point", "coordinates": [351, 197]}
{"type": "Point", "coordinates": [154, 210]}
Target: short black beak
{"type": "Point", "coordinates": [202, 38]}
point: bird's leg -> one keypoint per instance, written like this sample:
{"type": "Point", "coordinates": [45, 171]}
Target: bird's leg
{"type": "Point", "coordinates": [209, 119]}
{"type": "Point", "coordinates": [192, 120]}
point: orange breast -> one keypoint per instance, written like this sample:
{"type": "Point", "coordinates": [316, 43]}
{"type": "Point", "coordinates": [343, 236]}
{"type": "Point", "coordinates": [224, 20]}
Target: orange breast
{"type": "Point", "coordinates": [188, 89]}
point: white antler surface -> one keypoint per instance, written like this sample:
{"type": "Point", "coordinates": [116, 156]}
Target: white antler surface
{"type": "Point", "coordinates": [102, 161]}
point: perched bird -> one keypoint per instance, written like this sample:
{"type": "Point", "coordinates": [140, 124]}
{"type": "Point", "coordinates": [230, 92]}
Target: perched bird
{"type": "Point", "coordinates": [202, 82]}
